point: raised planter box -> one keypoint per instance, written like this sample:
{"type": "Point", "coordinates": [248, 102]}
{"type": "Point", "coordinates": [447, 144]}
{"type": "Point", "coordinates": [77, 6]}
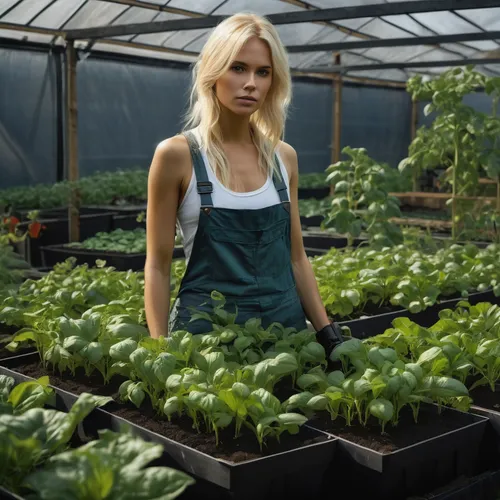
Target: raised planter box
{"type": "Point", "coordinates": [374, 325]}
{"type": "Point", "coordinates": [305, 193]}
{"type": "Point", "coordinates": [297, 473]}
{"type": "Point", "coordinates": [327, 241]}
{"type": "Point", "coordinates": [313, 221]}
{"type": "Point", "coordinates": [484, 486]}
{"type": "Point", "coordinates": [53, 254]}
{"type": "Point", "coordinates": [415, 469]}
{"type": "Point", "coordinates": [56, 232]}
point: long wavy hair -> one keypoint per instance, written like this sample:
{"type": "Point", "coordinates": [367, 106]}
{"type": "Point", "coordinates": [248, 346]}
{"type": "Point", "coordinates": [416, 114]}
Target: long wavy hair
{"type": "Point", "coordinates": [268, 122]}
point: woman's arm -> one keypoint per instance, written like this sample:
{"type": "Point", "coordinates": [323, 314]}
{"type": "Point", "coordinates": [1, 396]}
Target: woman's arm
{"type": "Point", "coordinates": [164, 185]}
{"type": "Point", "coordinates": [307, 287]}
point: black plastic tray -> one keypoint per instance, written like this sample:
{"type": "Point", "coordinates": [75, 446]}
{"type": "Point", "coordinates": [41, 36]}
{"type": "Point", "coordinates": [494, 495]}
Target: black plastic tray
{"type": "Point", "coordinates": [293, 474]}
{"type": "Point", "coordinates": [305, 193]}
{"type": "Point", "coordinates": [313, 221]}
{"type": "Point", "coordinates": [53, 254]}
{"type": "Point", "coordinates": [484, 486]}
{"type": "Point", "coordinates": [415, 469]}
{"type": "Point", "coordinates": [56, 232]}
{"type": "Point", "coordinates": [374, 325]}
{"type": "Point", "coordinates": [327, 241]}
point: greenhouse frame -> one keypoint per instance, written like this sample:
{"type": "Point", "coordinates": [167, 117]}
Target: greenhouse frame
{"type": "Point", "coordinates": [394, 118]}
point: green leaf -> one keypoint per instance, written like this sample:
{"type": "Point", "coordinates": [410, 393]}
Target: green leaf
{"type": "Point", "coordinates": [31, 394]}
{"type": "Point", "coordinates": [122, 350]}
{"type": "Point", "coordinates": [381, 408]}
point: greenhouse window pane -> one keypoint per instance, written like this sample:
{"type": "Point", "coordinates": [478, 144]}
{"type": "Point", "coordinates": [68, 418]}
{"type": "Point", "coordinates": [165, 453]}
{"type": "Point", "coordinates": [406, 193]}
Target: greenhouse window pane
{"type": "Point", "coordinates": [5, 5]}
{"type": "Point", "coordinates": [435, 55]}
{"type": "Point", "coordinates": [298, 34]}
{"type": "Point", "coordinates": [445, 23]}
{"type": "Point", "coordinates": [180, 39]}
{"type": "Point", "coordinates": [134, 15]}
{"type": "Point", "coordinates": [461, 49]}
{"type": "Point", "coordinates": [95, 13]}
{"type": "Point", "coordinates": [197, 45]}
{"type": "Point", "coordinates": [484, 46]}
{"type": "Point", "coordinates": [203, 6]}
{"type": "Point", "coordinates": [489, 19]}
{"type": "Point", "coordinates": [57, 14]}
{"type": "Point", "coordinates": [389, 75]}
{"type": "Point", "coordinates": [354, 24]}
{"type": "Point", "coordinates": [330, 35]}
{"type": "Point", "coordinates": [381, 29]}
{"type": "Point", "coordinates": [262, 7]}
{"type": "Point", "coordinates": [392, 54]}
{"type": "Point", "coordinates": [158, 38]}
{"type": "Point", "coordinates": [25, 11]}
{"type": "Point", "coordinates": [408, 24]}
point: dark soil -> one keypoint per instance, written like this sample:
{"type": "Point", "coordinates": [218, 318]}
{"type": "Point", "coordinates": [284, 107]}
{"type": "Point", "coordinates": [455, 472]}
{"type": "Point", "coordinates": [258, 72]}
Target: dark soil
{"type": "Point", "coordinates": [244, 448]}
{"type": "Point", "coordinates": [430, 424]}
{"type": "Point", "coordinates": [77, 383]}
{"type": "Point", "coordinates": [484, 397]}
{"type": "Point", "coordinates": [232, 449]}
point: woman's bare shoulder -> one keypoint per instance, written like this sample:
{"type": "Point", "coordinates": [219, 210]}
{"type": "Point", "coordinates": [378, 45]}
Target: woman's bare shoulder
{"type": "Point", "coordinates": [289, 157]}
{"type": "Point", "coordinates": [172, 159]}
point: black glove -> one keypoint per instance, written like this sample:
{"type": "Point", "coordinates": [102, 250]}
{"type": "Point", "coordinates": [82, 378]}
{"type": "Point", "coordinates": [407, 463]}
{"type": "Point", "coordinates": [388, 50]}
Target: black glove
{"type": "Point", "coordinates": [330, 337]}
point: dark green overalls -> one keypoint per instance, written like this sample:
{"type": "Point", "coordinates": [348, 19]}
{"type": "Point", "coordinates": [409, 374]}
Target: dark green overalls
{"type": "Point", "coordinates": [243, 254]}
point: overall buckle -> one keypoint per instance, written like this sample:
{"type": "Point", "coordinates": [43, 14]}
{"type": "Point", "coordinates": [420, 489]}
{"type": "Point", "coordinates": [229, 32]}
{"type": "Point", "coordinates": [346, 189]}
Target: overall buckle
{"type": "Point", "coordinates": [205, 187]}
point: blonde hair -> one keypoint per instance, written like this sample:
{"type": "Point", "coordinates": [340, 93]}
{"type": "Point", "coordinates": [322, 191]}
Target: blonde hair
{"type": "Point", "coordinates": [268, 122]}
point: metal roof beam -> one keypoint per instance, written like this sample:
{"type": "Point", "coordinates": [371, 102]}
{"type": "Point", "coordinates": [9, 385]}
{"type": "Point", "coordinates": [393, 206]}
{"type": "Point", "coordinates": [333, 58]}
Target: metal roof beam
{"type": "Point", "coordinates": [302, 16]}
{"type": "Point", "coordinates": [395, 42]}
{"type": "Point", "coordinates": [403, 65]}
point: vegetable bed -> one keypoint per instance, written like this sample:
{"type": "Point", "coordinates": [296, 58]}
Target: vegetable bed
{"type": "Point", "coordinates": [121, 249]}
{"type": "Point", "coordinates": [228, 463]}
{"type": "Point", "coordinates": [56, 233]}
{"type": "Point", "coordinates": [41, 449]}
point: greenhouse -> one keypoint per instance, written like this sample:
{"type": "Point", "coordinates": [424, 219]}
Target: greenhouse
{"type": "Point", "coordinates": [249, 249]}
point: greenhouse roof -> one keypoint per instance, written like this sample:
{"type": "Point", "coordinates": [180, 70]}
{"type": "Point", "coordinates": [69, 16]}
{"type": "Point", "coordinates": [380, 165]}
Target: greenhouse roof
{"type": "Point", "coordinates": [377, 39]}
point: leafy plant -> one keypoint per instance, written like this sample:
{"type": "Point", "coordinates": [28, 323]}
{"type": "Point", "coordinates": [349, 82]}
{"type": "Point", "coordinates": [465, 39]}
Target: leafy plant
{"type": "Point", "coordinates": [116, 241]}
{"type": "Point", "coordinates": [361, 200]}
{"type": "Point", "coordinates": [113, 467]}
{"type": "Point", "coordinates": [27, 440]}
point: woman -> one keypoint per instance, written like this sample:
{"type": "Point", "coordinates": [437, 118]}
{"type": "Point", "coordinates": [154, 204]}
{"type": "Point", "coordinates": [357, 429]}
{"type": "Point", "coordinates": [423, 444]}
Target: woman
{"type": "Point", "coordinates": [231, 185]}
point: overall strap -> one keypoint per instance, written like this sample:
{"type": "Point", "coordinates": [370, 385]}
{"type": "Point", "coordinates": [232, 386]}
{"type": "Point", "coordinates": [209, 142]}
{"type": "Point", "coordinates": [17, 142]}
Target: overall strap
{"type": "Point", "coordinates": [279, 183]}
{"type": "Point", "coordinates": [204, 186]}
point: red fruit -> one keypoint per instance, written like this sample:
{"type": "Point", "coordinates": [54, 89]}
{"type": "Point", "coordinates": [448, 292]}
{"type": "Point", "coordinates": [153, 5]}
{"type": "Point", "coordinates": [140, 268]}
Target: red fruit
{"type": "Point", "coordinates": [34, 229]}
{"type": "Point", "coordinates": [12, 222]}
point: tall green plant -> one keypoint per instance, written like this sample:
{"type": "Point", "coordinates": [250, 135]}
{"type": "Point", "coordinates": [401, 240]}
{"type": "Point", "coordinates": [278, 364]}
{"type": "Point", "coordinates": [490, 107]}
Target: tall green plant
{"type": "Point", "coordinates": [361, 200]}
{"type": "Point", "coordinates": [461, 139]}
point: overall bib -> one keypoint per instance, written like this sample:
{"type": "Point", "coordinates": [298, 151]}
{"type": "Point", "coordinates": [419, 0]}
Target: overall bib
{"type": "Point", "coordinates": [243, 254]}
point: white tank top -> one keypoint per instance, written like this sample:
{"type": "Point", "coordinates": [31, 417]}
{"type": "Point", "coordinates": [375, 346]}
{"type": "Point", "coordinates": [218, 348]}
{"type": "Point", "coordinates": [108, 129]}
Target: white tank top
{"type": "Point", "coordinates": [188, 212]}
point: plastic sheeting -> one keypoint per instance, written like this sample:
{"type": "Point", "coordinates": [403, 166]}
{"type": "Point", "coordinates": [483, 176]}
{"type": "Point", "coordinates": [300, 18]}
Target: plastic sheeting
{"type": "Point", "coordinates": [377, 119]}
{"type": "Point", "coordinates": [125, 110]}
{"type": "Point", "coordinates": [28, 135]}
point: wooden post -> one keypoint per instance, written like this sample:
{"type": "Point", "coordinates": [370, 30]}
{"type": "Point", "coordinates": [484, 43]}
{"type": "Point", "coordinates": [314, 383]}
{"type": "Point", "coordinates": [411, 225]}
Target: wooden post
{"type": "Point", "coordinates": [337, 116]}
{"type": "Point", "coordinates": [72, 140]}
